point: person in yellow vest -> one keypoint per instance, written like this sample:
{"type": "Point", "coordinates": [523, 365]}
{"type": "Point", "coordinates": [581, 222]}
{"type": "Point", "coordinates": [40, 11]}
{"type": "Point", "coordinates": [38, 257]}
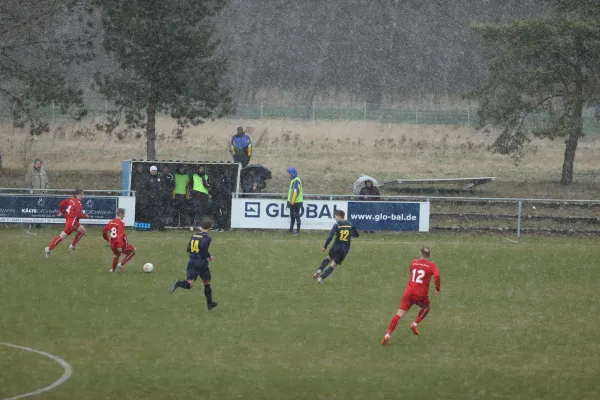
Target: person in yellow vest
{"type": "Point", "coordinates": [295, 199]}
{"type": "Point", "coordinates": [199, 197]}
{"type": "Point", "coordinates": [182, 180]}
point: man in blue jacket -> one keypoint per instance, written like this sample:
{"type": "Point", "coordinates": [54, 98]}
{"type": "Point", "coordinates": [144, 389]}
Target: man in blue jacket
{"type": "Point", "coordinates": [241, 147]}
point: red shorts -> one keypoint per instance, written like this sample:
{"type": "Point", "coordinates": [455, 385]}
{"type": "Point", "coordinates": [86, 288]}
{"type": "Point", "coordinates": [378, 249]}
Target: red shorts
{"type": "Point", "coordinates": [126, 250]}
{"type": "Point", "coordinates": [408, 299]}
{"type": "Point", "coordinates": [71, 226]}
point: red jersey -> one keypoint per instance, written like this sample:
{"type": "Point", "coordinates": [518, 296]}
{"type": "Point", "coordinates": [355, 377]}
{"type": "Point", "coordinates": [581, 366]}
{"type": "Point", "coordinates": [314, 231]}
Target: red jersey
{"type": "Point", "coordinates": [72, 209]}
{"type": "Point", "coordinates": [114, 232]}
{"type": "Point", "coordinates": [420, 275]}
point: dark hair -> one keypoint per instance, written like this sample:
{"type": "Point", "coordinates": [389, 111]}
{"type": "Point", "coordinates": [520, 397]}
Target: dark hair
{"type": "Point", "coordinates": [78, 192]}
{"type": "Point", "coordinates": [340, 213]}
{"type": "Point", "coordinates": [120, 211]}
{"type": "Point", "coordinates": [425, 252]}
{"type": "Point", "coordinates": [206, 223]}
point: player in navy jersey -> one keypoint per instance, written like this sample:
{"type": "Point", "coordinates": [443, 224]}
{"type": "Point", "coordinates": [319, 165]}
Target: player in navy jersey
{"type": "Point", "coordinates": [343, 231]}
{"type": "Point", "coordinates": [198, 263]}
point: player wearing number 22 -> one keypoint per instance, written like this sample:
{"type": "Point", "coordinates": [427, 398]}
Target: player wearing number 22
{"type": "Point", "coordinates": [198, 263]}
{"type": "Point", "coordinates": [114, 233]}
{"type": "Point", "coordinates": [343, 231]}
{"type": "Point", "coordinates": [417, 292]}
{"type": "Point", "coordinates": [73, 212]}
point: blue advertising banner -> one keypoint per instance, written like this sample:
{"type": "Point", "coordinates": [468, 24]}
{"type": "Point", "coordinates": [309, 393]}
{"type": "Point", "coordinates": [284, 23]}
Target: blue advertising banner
{"type": "Point", "coordinates": [43, 209]}
{"type": "Point", "coordinates": [389, 216]}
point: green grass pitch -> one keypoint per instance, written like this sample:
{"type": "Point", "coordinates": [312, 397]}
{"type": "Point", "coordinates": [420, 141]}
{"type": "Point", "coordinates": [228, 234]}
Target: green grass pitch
{"type": "Point", "coordinates": [514, 320]}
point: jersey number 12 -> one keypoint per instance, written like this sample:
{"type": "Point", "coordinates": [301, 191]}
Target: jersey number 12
{"type": "Point", "coordinates": [417, 275]}
{"type": "Point", "coordinates": [344, 235]}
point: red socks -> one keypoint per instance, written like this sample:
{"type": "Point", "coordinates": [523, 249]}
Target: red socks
{"type": "Point", "coordinates": [77, 238]}
{"type": "Point", "coordinates": [422, 314]}
{"type": "Point", "coordinates": [393, 324]}
{"type": "Point", "coordinates": [55, 242]}
{"type": "Point", "coordinates": [127, 258]}
{"type": "Point", "coordinates": [115, 262]}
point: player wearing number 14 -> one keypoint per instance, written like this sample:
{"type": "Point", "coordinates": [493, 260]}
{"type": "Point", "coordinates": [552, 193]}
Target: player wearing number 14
{"type": "Point", "coordinates": [417, 292]}
{"type": "Point", "coordinates": [114, 233]}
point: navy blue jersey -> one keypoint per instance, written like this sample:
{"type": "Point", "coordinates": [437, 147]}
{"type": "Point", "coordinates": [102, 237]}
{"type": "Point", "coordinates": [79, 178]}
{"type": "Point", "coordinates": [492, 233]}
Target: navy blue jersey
{"type": "Point", "coordinates": [198, 246]}
{"type": "Point", "coordinates": [343, 231]}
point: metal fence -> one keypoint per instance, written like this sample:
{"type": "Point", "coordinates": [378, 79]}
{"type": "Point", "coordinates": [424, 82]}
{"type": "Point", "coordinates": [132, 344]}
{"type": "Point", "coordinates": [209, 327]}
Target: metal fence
{"type": "Point", "coordinates": [495, 215]}
{"type": "Point", "coordinates": [329, 111]}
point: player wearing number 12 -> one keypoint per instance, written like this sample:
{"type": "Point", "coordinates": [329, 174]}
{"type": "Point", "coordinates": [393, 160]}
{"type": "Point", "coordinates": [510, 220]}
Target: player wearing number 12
{"type": "Point", "coordinates": [343, 231]}
{"type": "Point", "coordinates": [417, 292]}
{"type": "Point", "coordinates": [198, 263]}
{"type": "Point", "coordinates": [114, 233]}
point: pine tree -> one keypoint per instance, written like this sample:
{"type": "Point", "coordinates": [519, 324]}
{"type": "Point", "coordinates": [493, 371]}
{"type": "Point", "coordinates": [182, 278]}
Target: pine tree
{"type": "Point", "coordinates": [166, 53]}
{"type": "Point", "coordinates": [541, 75]}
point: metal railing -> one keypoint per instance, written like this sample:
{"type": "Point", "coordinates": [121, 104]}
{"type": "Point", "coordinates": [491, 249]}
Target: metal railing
{"type": "Point", "coordinates": [65, 192]}
{"type": "Point", "coordinates": [491, 214]}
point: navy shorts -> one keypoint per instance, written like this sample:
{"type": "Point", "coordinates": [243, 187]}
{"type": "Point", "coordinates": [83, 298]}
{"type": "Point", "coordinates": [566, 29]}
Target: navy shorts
{"type": "Point", "coordinates": [338, 254]}
{"type": "Point", "coordinates": [198, 269]}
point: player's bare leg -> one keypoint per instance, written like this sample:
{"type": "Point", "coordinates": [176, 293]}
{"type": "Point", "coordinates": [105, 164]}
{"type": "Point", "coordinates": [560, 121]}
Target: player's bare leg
{"type": "Point", "coordinates": [80, 232]}
{"type": "Point", "coordinates": [63, 235]}
{"type": "Point", "coordinates": [393, 323]}
{"type": "Point", "coordinates": [321, 268]}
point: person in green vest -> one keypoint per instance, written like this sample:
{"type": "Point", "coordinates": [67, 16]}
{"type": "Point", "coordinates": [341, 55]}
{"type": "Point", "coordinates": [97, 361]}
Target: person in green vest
{"type": "Point", "coordinates": [295, 199]}
{"type": "Point", "coordinates": [199, 197]}
{"type": "Point", "coordinates": [180, 203]}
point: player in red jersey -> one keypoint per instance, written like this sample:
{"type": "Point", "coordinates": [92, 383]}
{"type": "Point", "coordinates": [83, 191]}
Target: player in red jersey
{"type": "Point", "coordinates": [114, 233]}
{"type": "Point", "coordinates": [73, 211]}
{"type": "Point", "coordinates": [417, 292]}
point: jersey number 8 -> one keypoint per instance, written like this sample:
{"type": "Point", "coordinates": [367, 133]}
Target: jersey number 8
{"type": "Point", "coordinates": [113, 233]}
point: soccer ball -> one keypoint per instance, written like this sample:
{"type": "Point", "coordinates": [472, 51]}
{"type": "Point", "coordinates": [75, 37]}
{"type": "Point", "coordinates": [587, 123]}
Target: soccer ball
{"type": "Point", "coordinates": [148, 267]}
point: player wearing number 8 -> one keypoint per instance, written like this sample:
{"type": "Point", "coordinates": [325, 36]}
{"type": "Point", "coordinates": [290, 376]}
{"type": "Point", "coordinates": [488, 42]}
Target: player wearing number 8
{"type": "Point", "coordinates": [417, 292]}
{"type": "Point", "coordinates": [343, 231]}
{"type": "Point", "coordinates": [114, 233]}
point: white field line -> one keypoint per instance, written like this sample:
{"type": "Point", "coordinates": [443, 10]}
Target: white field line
{"type": "Point", "coordinates": [66, 375]}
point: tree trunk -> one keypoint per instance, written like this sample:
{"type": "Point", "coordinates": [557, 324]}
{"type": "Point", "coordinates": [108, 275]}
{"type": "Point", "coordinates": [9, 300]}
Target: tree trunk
{"type": "Point", "coordinates": [576, 119]}
{"type": "Point", "coordinates": [567, 169]}
{"type": "Point", "coordinates": [151, 127]}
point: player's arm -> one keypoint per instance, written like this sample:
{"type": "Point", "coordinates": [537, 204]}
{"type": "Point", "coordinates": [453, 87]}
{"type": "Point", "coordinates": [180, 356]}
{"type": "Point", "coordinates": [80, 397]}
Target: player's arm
{"type": "Point", "coordinates": [436, 279]}
{"type": "Point", "coordinates": [189, 246]}
{"type": "Point", "coordinates": [354, 232]}
{"type": "Point", "coordinates": [105, 232]}
{"type": "Point", "coordinates": [249, 147]}
{"type": "Point", "coordinates": [121, 235]}
{"type": "Point", "coordinates": [232, 147]}
{"type": "Point", "coordinates": [63, 206]}
{"type": "Point", "coordinates": [331, 236]}
{"type": "Point", "coordinates": [204, 245]}
{"type": "Point", "coordinates": [295, 193]}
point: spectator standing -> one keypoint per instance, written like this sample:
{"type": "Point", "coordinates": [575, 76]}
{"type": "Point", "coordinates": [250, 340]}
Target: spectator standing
{"type": "Point", "coordinates": [36, 179]}
{"type": "Point", "coordinates": [139, 183]}
{"type": "Point", "coordinates": [199, 197]}
{"type": "Point", "coordinates": [369, 193]}
{"type": "Point", "coordinates": [221, 202]}
{"type": "Point", "coordinates": [295, 199]}
{"type": "Point", "coordinates": [253, 183]}
{"type": "Point", "coordinates": [168, 185]}
{"type": "Point", "coordinates": [154, 199]}
{"type": "Point", "coordinates": [241, 147]}
{"type": "Point", "coordinates": [182, 180]}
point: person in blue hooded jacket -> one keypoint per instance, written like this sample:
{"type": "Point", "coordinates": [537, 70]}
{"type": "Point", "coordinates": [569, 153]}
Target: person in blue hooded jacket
{"type": "Point", "coordinates": [295, 199]}
{"type": "Point", "coordinates": [241, 147]}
